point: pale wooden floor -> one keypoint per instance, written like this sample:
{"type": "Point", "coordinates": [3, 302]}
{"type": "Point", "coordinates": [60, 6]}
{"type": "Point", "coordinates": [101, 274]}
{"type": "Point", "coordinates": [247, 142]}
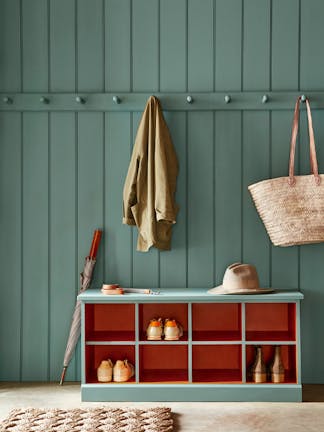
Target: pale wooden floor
{"type": "Point", "coordinates": [188, 417]}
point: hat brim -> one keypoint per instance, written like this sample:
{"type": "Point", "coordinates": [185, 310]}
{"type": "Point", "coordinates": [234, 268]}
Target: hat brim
{"type": "Point", "coordinates": [221, 290]}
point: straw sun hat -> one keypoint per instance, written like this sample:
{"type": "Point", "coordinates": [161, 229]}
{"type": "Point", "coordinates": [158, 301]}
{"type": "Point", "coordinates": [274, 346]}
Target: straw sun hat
{"type": "Point", "coordinates": [240, 279]}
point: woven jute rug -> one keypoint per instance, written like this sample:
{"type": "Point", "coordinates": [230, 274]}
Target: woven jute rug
{"type": "Point", "coordinates": [86, 420]}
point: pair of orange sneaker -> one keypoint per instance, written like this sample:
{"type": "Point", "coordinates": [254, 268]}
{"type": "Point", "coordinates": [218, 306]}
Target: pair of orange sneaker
{"type": "Point", "coordinates": [170, 329]}
{"type": "Point", "coordinates": [122, 371]}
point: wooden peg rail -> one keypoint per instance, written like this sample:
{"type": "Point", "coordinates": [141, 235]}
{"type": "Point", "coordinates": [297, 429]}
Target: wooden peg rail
{"type": "Point", "coordinates": [83, 101]}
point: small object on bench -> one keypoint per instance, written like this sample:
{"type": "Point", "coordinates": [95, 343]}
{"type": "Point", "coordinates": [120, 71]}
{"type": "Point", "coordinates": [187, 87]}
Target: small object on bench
{"type": "Point", "coordinates": [112, 289]}
{"type": "Point", "coordinates": [106, 287]}
{"type": "Point", "coordinates": [110, 286]}
{"type": "Point", "coordinates": [138, 290]}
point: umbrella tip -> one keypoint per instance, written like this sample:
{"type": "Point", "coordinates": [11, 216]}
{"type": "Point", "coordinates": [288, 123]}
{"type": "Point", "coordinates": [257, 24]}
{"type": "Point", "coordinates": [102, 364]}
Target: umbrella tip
{"type": "Point", "coordinates": [63, 375]}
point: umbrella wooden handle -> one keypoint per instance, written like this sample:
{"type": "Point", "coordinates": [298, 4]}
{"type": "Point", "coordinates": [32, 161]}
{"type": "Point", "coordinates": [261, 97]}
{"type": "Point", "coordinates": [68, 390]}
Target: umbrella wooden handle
{"type": "Point", "coordinates": [95, 244]}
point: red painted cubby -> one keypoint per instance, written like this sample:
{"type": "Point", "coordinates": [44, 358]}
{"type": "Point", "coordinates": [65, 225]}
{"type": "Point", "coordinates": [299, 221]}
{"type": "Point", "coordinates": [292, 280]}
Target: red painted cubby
{"type": "Point", "coordinates": [217, 363]}
{"type": "Point", "coordinates": [288, 356]}
{"type": "Point", "coordinates": [216, 321]}
{"type": "Point", "coordinates": [270, 321]}
{"type": "Point", "coordinates": [110, 322]}
{"type": "Point", "coordinates": [178, 311]}
{"type": "Point", "coordinates": [163, 363]}
{"type": "Point", "coordinates": [96, 353]}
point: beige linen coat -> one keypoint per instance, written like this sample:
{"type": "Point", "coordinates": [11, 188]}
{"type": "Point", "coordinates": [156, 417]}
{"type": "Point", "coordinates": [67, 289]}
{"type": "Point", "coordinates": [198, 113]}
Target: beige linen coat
{"type": "Point", "coordinates": [148, 197]}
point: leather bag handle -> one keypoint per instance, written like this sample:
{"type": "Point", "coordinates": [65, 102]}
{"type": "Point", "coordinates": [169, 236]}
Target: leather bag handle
{"type": "Point", "coordinates": [312, 148]}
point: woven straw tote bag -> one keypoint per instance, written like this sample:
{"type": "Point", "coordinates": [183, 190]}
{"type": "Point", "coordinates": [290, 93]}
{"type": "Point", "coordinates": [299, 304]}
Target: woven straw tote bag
{"type": "Point", "coordinates": [292, 208]}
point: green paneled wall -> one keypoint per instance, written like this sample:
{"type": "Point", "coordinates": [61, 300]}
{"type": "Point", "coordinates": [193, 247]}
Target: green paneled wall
{"type": "Point", "coordinates": [62, 173]}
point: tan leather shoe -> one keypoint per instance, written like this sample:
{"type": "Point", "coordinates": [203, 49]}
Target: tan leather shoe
{"type": "Point", "coordinates": [172, 330]}
{"type": "Point", "coordinates": [123, 371]}
{"type": "Point", "coordinates": [155, 329]}
{"type": "Point", "coordinates": [105, 370]}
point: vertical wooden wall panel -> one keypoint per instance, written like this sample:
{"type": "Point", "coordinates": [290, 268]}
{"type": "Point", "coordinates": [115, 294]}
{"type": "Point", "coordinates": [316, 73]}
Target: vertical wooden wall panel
{"type": "Point", "coordinates": [173, 33]}
{"type": "Point", "coordinates": [311, 256]}
{"type": "Point", "coordinates": [228, 199]}
{"type": "Point", "coordinates": [228, 140]}
{"type": "Point", "coordinates": [311, 283]}
{"type": "Point", "coordinates": [285, 76]}
{"type": "Point", "coordinates": [145, 21]}
{"type": "Point", "coordinates": [256, 145]}
{"type": "Point", "coordinates": [62, 45]}
{"type": "Point", "coordinates": [63, 279]}
{"type": "Point", "coordinates": [35, 247]}
{"type": "Point", "coordinates": [285, 41]}
{"type": "Point", "coordinates": [10, 70]}
{"type": "Point", "coordinates": [200, 45]}
{"type": "Point", "coordinates": [282, 276]}
{"type": "Point", "coordinates": [117, 241]}
{"type": "Point", "coordinates": [90, 187]}
{"type": "Point", "coordinates": [200, 199]}
{"type": "Point", "coordinates": [256, 248]}
{"type": "Point", "coordinates": [312, 270]}
{"type": "Point", "coordinates": [10, 246]}
{"type": "Point", "coordinates": [35, 45]}
{"type": "Point", "coordinates": [173, 45]}
{"type": "Point", "coordinates": [173, 263]}
{"type": "Point", "coordinates": [63, 272]}
{"type": "Point", "coordinates": [35, 343]}
{"type": "Point", "coordinates": [311, 37]}
{"type": "Point", "coordinates": [117, 45]}
{"type": "Point", "coordinates": [256, 48]}
{"type": "Point", "coordinates": [145, 37]}
{"type": "Point", "coordinates": [90, 194]}
{"type": "Point", "coordinates": [10, 196]}
{"type": "Point", "coordinates": [200, 204]}
{"type": "Point", "coordinates": [90, 55]}
{"type": "Point", "coordinates": [228, 45]}
{"type": "Point", "coordinates": [146, 271]}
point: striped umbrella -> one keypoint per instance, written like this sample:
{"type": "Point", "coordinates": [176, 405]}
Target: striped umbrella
{"type": "Point", "coordinates": [85, 280]}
